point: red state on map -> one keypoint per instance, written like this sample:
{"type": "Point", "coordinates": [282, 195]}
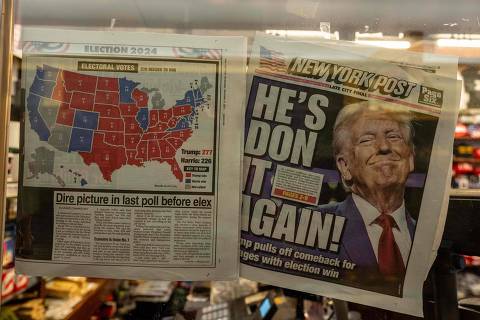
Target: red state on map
{"type": "Point", "coordinates": [159, 127]}
{"type": "Point", "coordinates": [181, 134]}
{"type": "Point", "coordinates": [153, 150]}
{"type": "Point", "coordinates": [154, 135]}
{"type": "Point", "coordinates": [111, 124]}
{"type": "Point", "coordinates": [172, 123]}
{"type": "Point", "coordinates": [131, 140]}
{"type": "Point", "coordinates": [142, 150]}
{"type": "Point", "coordinates": [107, 97]}
{"type": "Point", "coordinates": [106, 110]}
{"type": "Point", "coordinates": [108, 158]}
{"type": "Point", "coordinates": [177, 172]}
{"type": "Point", "coordinates": [132, 125]}
{"type": "Point", "coordinates": [132, 159]}
{"type": "Point", "coordinates": [152, 118]}
{"type": "Point", "coordinates": [179, 111]}
{"type": "Point", "coordinates": [107, 84]}
{"type": "Point", "coordinates": [140, 97]}
{"type": "Point", "coordinates": [114, 138]}
{"type": "Point", "coordinates": [165, 115]}
{"type": "Point", "coordinates": [82, 101]}
{"type": "Point", "coordinates": [128, 109]}
{"type": "Point", "coordinates": [75, 81]}
{"type": "Point", "coordinates": [166, 149]}
{"type": "Point", "coordinates": [60, 93]}
{"type": "Point", "coordinates": [65, 115]}
{"type": "Point", "coordinates": [176, 143]}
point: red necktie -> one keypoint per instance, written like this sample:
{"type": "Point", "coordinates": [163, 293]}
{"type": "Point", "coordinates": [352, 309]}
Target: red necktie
{"type": "Point", "coordinates": [390, 260]}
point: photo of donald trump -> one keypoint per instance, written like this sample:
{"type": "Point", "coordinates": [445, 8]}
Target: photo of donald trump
{"type": "Point", "coordinates": [374, 154]}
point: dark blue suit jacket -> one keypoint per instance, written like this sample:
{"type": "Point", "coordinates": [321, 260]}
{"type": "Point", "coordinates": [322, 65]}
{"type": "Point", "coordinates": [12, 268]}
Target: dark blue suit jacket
{"type": "Point", "coordinates": [356, 247]}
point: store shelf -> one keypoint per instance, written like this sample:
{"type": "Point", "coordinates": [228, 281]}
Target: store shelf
{"type": "Point", "coordinates": [92, 299]}
{"type": "Point", "coordinates": [469, 160]}
{"type": "Point", "coordinates": [471, 111]}
{"type": "Point", "coordinates": [12, 189]}
{"type": "Point", "coordinates": [467, 139]}
{"type": "Point", "coordinates": [474, 193]}
{"type": "Point", "coordinates": [33, 282]}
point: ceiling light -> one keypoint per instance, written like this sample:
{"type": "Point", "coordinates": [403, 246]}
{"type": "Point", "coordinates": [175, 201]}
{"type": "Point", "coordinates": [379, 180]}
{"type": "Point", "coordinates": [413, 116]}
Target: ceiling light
{"type": "Point", "coordinates": [303, 34]}
{"type": "Point", "coordinates": [463, 43]}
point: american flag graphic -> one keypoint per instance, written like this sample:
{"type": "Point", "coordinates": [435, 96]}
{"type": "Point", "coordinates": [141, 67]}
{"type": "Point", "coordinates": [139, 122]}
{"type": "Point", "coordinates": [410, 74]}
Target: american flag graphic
{"type": "Point", "coordinates": [183, 52]}
{"type": "Point", "coordinates": [272, 60]}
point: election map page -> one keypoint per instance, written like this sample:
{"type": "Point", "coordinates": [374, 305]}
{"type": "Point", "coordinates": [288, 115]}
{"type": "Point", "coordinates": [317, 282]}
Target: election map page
{"type": "Point", "coordinates": [129, 125]}
{"type": "Point", "coordinates": [130, 155]}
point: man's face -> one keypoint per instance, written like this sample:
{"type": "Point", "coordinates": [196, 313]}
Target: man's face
{"type": "Point", "coordinates": [377, 155]}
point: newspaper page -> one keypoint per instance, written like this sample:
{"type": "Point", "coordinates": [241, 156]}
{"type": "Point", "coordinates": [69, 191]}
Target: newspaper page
{"type": "Point", "coordinates": [345, 171]}
{"type": "Point", "coordinates": [442, 65]}
{"type": "Point", "coordinates": [132, 155]}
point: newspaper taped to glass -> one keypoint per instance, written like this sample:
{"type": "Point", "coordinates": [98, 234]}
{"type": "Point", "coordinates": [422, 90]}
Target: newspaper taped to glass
{"type": "Point", "coordinates": [131, 161]}
{"type": "Point", "coordinates": [346, 170]}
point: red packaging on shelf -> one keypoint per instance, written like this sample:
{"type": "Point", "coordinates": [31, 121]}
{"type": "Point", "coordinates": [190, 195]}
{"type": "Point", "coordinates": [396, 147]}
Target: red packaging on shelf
{"type": "Point", "coordinates": [462, 168]}
{"type": "Point", "coordinates": [461, 131]}
{"type": "Point", "coordinates": [8, 282]}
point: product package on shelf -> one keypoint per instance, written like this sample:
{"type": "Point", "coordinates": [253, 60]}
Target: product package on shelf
{"type": "Point", "coordinates": [27, 310]}
{"type": "Point", "coordinates": [8, 282]}
{"type": "Point", "coordinates": [466, 152]}
{"type": "Point", "coordinates": [13, 283]}
{"type": "Point", "coordinates": [65, 288]}
{"type": "Point", "coordinates": [8, 250]}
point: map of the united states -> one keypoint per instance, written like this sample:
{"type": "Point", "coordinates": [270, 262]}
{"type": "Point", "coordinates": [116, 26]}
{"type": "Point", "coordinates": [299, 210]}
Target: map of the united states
{"type": "Point", "coordinates": [107, 120]}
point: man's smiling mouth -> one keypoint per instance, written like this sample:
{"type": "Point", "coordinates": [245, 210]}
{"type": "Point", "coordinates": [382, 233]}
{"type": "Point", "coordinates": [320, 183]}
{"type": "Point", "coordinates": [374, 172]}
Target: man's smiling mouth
{"type": "Point", "coordinates": [384, 162]}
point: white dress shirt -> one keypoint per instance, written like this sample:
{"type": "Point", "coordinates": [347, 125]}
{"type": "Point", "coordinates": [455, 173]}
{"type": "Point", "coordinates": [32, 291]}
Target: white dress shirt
{"type": "Point", "coordinates": [370, 213]}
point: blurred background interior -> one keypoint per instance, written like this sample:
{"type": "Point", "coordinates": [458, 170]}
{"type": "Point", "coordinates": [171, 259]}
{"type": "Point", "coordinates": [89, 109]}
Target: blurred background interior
{"type": "Point", "coordinates": [435, 26]}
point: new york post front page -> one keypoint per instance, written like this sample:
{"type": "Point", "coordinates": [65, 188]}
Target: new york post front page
{"type": "Point", "coordinates": [346, 171]}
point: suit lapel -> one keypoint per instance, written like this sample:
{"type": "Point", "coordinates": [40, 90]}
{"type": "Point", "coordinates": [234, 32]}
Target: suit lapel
{"type": "Point", "coordinates": [356, 242]}
{"type": "Point", "coordinates": [410, 224]}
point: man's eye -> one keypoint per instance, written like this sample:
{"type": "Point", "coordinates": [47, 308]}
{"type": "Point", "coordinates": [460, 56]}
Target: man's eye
{"type": "Point", "coordinates": [394, 136]}
{"type": "Point", "coordinates": [365, 140]}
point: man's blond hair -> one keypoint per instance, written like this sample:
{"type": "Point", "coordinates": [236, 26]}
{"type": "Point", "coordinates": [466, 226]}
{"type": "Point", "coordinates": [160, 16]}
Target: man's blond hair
{"type": "Point", "coordinates": [351, 113]}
